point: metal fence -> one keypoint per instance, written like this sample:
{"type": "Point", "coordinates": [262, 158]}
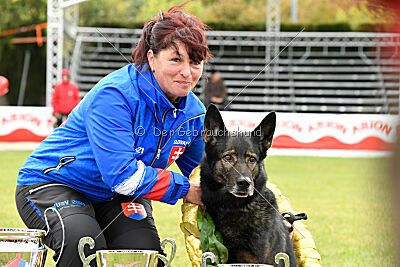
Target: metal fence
{"type": "Point", "coordinates": [318, 72]}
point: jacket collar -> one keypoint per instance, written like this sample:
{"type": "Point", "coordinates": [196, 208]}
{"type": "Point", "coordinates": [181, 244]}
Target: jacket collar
{"type": "Point", "coordinates": [158, 102]}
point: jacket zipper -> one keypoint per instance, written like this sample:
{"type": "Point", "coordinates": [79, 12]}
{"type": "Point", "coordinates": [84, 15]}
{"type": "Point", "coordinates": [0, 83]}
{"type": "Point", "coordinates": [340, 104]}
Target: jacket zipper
{"type": "Point", "coordinates": [47, 185]}
{"type": "Point", "coordinates": [159, 148]}
{"type": "Point", "coordinates": [63, 161]}
{"type": "Point", "coordinates": [180, 125]}
{"type": "Point", "coordinates": [157, 155]}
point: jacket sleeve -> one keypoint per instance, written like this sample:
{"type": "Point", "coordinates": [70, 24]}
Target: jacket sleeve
{"type": "Point", "coordinates": [190, 159]}
{"type": "Point", "coordinates": [109, 128]}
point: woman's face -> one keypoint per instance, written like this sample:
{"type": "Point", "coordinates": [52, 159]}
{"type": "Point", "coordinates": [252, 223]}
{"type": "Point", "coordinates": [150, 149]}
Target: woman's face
{"type": "Point", "coordinates": [175, 72]}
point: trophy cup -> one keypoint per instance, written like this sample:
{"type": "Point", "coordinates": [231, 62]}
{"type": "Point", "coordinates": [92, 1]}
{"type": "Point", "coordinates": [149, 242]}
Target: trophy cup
{"type": "Point", "coordinates": [22, 247]}
{"type": "Point", "coordinates": [124, 257]}
{"type": "Point", "coordinates": [211, 256]}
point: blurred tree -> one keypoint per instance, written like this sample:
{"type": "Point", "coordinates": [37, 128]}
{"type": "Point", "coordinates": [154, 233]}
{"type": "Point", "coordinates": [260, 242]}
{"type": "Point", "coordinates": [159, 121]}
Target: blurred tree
{"type": "Point", "coordinates": [17, 13]}
{"type": "Point", "coordinates": [151, 8]}
{"type": "Point", "coordinates": [254, 12]}
{"type": "Point", "coordinates": [363, 13]}
{"type": "Point", "coordinates": [124, 13]}
{"type": "Point", "coordinates": [109, 12]}
{"type": "Point", "coordinates": [234, 11]}
{"type": "Point", "coordinates": [224, 10]}
{"type": "Point", "coordinates": [354, 12]}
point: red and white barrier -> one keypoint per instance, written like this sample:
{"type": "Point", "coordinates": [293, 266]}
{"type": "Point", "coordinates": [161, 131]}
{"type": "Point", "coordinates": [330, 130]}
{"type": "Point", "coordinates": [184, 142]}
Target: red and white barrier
{"type": "Point", "coordinates": [25, 124]}
{"type": "Point", "coordinates": [324, 134]}
{"type": "Point", "coordinates": [296, 133]}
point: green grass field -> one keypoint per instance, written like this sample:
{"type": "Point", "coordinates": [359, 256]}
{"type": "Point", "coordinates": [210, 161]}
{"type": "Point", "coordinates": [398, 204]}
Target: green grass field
{"type": "Point", "coordinates": [347, 202]}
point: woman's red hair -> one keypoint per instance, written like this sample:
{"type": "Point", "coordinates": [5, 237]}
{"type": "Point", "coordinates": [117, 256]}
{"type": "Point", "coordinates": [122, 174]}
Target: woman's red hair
{"type": "Point", "coordinates": [169, 28]}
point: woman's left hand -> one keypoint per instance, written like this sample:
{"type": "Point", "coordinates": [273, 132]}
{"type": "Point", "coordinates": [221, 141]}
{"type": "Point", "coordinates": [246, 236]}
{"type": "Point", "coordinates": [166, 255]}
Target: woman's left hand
{"type": "Point", "coordinates": [194, 194]}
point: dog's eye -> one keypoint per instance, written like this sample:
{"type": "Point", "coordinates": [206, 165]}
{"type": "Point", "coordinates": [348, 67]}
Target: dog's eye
{"type": "Point", "coordinates": [228, 157]}
{"type": "Point", "coordinates": [252, 159]}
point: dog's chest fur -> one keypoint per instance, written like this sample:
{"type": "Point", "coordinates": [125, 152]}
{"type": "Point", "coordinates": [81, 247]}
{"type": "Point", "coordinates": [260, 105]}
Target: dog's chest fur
{"type": "Point", "coordinates": [248, 231]}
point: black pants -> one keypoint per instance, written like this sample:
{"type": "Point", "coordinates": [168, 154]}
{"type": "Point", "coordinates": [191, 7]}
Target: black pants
{"type": "Point", "coordinates": [104, 222]}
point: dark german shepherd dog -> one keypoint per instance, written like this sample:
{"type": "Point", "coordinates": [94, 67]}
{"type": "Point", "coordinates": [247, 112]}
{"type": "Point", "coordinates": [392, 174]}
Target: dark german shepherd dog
{"type": "Point", "coordinates": [233, 188]}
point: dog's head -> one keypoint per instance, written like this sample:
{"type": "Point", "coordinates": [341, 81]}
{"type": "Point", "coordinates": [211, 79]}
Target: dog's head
{"type": "Point", "coordinates": [237, 158]}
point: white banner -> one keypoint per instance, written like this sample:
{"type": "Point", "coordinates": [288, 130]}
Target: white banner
{"type": "Point", "coordinates": [323, 131]}
{"type": "Point", "coordinates": [294, 131]}
{"type": "Point", "coordinates": [25, 124]}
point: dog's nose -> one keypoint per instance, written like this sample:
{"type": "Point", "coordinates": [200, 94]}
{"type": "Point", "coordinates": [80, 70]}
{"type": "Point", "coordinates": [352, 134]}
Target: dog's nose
{"type": "Point", "coordinates": [243, 182]}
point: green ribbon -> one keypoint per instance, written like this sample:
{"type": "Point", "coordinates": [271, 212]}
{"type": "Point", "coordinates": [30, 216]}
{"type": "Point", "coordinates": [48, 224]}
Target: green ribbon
{"type": "Point", "coordinates": [211, 240]}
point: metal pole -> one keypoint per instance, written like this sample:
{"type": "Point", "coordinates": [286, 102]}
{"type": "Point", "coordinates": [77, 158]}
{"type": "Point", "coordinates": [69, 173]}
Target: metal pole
{"type": "Point", "coordinates": [22, 86]}
{"type": "Point", "coordinates": [54, 46]}
{"type": "Point", "coordinates": [273, 24]}
{"type": "Point", "coordinates": [294, 11]}
{"type": "Point", "coordinates": [55, 39]}
{"type": "Point", "coordinates": [273, 28]}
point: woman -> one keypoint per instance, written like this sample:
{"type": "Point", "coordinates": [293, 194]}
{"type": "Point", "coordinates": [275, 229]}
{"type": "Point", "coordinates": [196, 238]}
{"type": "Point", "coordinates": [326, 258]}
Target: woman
{"type": "Point", "coordinates": [115, 144]}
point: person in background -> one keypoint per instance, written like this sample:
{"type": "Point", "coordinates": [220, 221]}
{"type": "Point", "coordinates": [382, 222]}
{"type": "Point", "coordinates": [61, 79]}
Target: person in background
{"type": "Point", "coordinates": [215, 92]}
{"type": "Point", "coordinates": [65, 98]}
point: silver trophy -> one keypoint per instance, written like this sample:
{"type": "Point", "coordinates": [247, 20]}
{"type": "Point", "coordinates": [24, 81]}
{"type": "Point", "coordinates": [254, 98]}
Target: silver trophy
{"type": "Point", "coordinates": [22, 247]}
{"type": "Point", "coordinates": [132, 258]}
{"type": "Point", "coordinates": [211, 256]}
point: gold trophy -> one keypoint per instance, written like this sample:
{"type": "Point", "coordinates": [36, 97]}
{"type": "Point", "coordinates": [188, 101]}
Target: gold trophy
{"type": "Point", "coordinates": [22, 247]}
{"type": "Point", "coordinates": [124, 257]}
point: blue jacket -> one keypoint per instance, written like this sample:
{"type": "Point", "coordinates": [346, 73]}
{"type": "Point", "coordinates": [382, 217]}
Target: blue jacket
{"type": "Point", "coordinates": [119, 139]}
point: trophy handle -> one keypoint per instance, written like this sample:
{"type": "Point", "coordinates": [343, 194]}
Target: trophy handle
{"type": "Point", "coordinates": [205, 256]}
{"type": "Point", "coordinates": [81, 246]}
{"type": "Point", "coordinates": [284, 257]}
{"type": "Point", "coordinates": [164, 242]}
{"type": "Point", "coordinates": [167, 263]}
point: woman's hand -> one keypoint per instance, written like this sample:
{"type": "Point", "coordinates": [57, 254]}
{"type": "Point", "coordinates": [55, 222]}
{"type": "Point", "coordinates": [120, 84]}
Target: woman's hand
{"type": "Point", "coordinates": [288, 225]}
{"type": "Point", "coordinates": [194, 194]}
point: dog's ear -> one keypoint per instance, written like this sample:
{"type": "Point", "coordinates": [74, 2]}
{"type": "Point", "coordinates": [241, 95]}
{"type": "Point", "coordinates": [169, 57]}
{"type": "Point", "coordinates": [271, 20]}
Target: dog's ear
{"type": "Point", "coordinates": [213, 124]}
{"type": "Point", "coordinates": [265, 130]}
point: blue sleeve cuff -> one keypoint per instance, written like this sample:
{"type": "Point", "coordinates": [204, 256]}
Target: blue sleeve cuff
{"type": "Point", "coordinates": [186, 186]}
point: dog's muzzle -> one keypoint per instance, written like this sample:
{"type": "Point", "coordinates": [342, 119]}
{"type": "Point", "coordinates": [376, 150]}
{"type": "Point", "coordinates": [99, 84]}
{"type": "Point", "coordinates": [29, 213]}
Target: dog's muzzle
{"type": "Point", "coordinates": [244, 187]}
